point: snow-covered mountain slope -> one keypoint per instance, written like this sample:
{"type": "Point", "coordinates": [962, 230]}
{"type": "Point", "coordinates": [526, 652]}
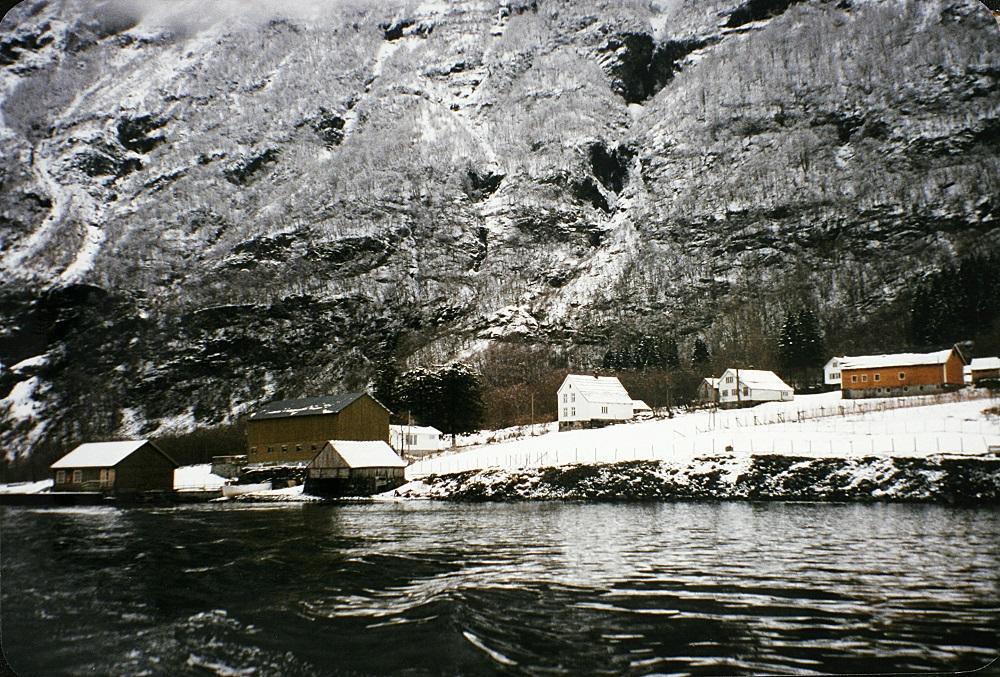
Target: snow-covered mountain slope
{"type": "Point", "coordinates": [203, 208]}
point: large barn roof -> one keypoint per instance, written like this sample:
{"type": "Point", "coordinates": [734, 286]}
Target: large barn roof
{"type": "Point", "coordinates": [895, 360]}
{"type": "Point", "coordinates": [100, 454]}
{"type": "Point", "coordinates": [599, 389]}
{"type": "Point", "coordinates": [370, 454]}
{"type": "Point", "coordinates": [985, 363]}
{"type": "Point", "coordinates": [308, 406]}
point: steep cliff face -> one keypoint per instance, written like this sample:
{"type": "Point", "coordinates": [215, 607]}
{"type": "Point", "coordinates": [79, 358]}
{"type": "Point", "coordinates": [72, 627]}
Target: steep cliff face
{"type": "Point", "coordinates": [202, 211]}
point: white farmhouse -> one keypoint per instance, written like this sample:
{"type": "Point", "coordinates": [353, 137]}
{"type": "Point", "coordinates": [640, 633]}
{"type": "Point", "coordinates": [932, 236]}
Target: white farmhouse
{"type": "Point", "coordinates": [831, 371]}
{"type": "Point", "coordinates": [415, 440]}
{"type": "Point", "coordinates": [745, 387]}
{"type": "Point", "coordinates": [592, 401]}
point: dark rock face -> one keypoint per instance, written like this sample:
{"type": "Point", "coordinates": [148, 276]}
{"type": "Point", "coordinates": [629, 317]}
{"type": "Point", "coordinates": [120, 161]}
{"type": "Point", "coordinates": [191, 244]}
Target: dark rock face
{"type": "Point", "coordinates": [136, 134]}
{"type": "Point", "coordinates": [247, 169]}
{"type": "Point", "coordinates": [755, 10]}
{"type": "Point", "coordinates": [611, 167]}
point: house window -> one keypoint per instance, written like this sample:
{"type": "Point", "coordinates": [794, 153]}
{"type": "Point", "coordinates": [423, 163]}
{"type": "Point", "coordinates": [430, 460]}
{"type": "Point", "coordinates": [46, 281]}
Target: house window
{"type": "Point", "coordinates": [864, 378]}
{"type": "Point", "coordinates": [572, 411]}
{"type": "Point", "coordinates": [604, 410]}
{"type": "Point", "coordinates": [902, 376]}
{"type": "Point", "coordinates": [834, 375]}
{"type": "Point", "coordinates": [411, 440]}
{"type": "Point", "coordinates": [270, 449]}
{"type": "Point", "coordinates": [565, 412]}
{"type": "Point", "coordinates": [565, 398]}
{"type": "Point", "coordinates": [729, 379]}
{"type": "Point", "coordinates": [284, 447]}
{"type": "Point", "coordinates": [573, 398]}
{"type": "Point", "coordinates": [60, 477]}
{"type": "Point", "coordinates": [298, 447]}
{"type": "Point", "coordinates": [107, 477]}
{"type": "Point", "coordinates": [77, 477]}
{"type": "Point", "coordinates": [313, 447]}
{"type": "Point", "coordinates": [253, 450]}
{"type": "Point", "coordinates": [746, 391]}
{"type": "Point", "coordinates": [854, 378]}
{"type": "Point", "coordinates": [878, 377]}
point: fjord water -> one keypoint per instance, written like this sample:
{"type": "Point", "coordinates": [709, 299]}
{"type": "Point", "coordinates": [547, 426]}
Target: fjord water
{"type": "Point", "coordinates": [444, 589]}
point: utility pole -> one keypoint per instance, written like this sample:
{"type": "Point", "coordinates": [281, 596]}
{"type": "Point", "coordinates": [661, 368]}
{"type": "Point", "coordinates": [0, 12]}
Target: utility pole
{"type": "Point", "coordinates": [739, 399]}
{"type": "Point", "coordinates": [532, 433]}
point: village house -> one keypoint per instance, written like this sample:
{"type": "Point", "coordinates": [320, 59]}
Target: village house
{"type": "Point", "coordinates": [296, 430]}
{"type": "Point", "coordinates": [708, 390]}
{"type": "Point", "coordinates": [415, 440]}
{"type": "Point", "coordinates": [984, 368]}
{"type": "Point", "coordinates": [901, 374]}
{"type": "Point", "coordinates": [831, 370]}
{"type": "Point", "coordinates": [592, 402]}
{"type": "Point", "coordinates": [747, 387]}
{"type": "Point", "coordinates": [351, 468]}
{"type": "Point", "coordinates": [641, 410]}
{"type": "Point", "coordinates": [125, 467]}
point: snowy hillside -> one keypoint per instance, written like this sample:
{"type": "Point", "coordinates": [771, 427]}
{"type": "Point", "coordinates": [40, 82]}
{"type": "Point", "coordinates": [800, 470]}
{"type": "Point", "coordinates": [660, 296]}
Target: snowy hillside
{"type": "Point", "coordinates": [204, 209]}
{"type": "Point", "coordinates": [819, 426]}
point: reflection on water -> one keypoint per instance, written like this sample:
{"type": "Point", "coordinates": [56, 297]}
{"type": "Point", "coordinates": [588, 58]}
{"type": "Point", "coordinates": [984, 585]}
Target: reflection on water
{"type": "Point", "coordinates": [425, 588]}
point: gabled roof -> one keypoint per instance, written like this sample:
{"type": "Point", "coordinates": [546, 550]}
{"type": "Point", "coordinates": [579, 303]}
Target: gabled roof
{"type": "Point", "coordinates": [103, 454]}
{"type": "Point", "coordinates": [896, 360]}
{"type": "Point", "coordinates": [985, 363]}
{"type": "Point", "coordinates": [309, 406]}
{"type": "Point", "coordinates": [639, 405]}
{"type": "Point", "coordinates": [415, 429]}
{"type": "Point", "coordinates": [367, 454]}
{"type": "Point", "coordinates": [761, 379]}
{"type": "Point", "coordinates": [711, 381]}
{"type": "Point", "coordinates": [598, 389]}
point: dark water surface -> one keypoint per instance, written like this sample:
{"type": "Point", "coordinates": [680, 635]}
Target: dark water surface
{"type": "Point", "coordinates": [431, 588]}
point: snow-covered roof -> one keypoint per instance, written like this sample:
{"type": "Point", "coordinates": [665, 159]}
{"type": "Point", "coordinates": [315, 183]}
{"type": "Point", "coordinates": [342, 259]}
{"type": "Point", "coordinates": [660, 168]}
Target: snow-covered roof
{"type": "Point", "coordinates": [834, 361]}
{"type": "Point", "coordinates": [639, 405]}
{"type": "Point", "coordinates": [308, 406]}
{"type": "Point", "coordinates": [368, 454]}
{"type": "Point", "coordinates": [761, 379]}
{"type": "Point", "coordinates": [979, 363]}
{"type": "Point", "coordinates": [414, 429]}
{"type": "Point", "coordinates": [895, 360]}
{"type": "Point", "coordinates": [598, 389]}
{"type": "Point", "coordinates": [99, 454]}
{"type": "Point", "coordinates": [712, 382]}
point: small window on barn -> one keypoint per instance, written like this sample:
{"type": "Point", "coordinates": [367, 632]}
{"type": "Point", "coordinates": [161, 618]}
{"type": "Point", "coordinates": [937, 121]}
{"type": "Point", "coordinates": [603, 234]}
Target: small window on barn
{"type": "Point", "coordinates": [77, 476]}
{"type": "Point", "coordinates": [312, 447]}
{"type": "Point", "coordinates": [854, 378]}
{"type": "Point", "coordinates": [878, 377]}
{"type": "Point", "coordinates": [60, 477]}
{"type": "Point", "coordinates": [298, 447]}
{"type": "Point", "coordinates": [284, 447]}
{"type": "Point", "coordinates": [253, 450]}
{"type": "Point", "coordinates": [902, 376]}
{"type": "Point", "coordinates": [864, 378]}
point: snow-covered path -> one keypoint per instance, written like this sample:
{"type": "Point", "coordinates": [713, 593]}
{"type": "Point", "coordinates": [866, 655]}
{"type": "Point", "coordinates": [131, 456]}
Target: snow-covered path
{"type": "Point", "coordinates": [954, 427]}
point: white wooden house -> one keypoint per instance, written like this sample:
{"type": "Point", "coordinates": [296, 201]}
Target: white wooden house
{"type": "Point", "coordinates": [592, 401]}
{"type": "Point", "coordinates": [415, 440]}
{"type": "Point", "coordinates": [831, 371]}
{"type": "Point", "coordinates": [746, 387]}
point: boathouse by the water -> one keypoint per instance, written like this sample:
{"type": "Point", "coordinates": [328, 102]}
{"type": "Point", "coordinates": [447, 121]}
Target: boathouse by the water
{"type": "Point", "coordinates": [122, 467]}
{"type": "Point", "coordinates": [352, 468]}
{"type": "Point", "coordinates": [296, 430]}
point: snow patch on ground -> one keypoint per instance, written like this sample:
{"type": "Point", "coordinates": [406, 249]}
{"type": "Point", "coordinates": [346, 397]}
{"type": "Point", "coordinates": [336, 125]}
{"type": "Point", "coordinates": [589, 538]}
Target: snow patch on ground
{"type": "Point", "coordinates": [26, 487]}
{"type": "Point", "coordinates": [197, 478]}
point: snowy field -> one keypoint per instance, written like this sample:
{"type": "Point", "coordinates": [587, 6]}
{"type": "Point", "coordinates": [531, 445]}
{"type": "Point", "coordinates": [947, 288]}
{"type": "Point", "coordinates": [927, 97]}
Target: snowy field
{"type": "Point", "coordinates": [812, 426]}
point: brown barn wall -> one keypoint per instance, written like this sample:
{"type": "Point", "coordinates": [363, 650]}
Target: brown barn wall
{"type": "Point", "coordinates": [304, 436]}
{"type": "Point", "coordinates": [146, 469]}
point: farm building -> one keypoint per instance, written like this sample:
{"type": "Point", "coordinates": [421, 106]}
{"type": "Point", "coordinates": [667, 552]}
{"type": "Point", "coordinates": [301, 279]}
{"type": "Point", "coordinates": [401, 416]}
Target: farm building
{"type": "Point", "coordinates": [124, 467]}
{"type": "Point", "coordinates": [592, 401]}
{"type": "Point", "coordinates": [747, 387]}
{"type": "Point", "coordinates": [296, 430]}
{"type": "Point", "coordinates": [708, 390]}
{"type": "Point", "coordinates": [831, 371]}
{"type": "Point", "coordinates": [415, 440]}
{"type": "Point", "coordinates": [351, 468]}
{"type": "Point", "coordinates": [984, 368]}
{"type": "Point", "coordinates": [641, 410]}
{"type": "Point", "coordinates": [901, 374]}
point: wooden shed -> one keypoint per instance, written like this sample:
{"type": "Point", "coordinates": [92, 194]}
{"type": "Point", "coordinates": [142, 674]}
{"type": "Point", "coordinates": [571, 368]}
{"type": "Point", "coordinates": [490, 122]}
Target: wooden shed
{"type": "Point", "coordinates": [296, 430]}
{"type": "Point", "coordinates": [901, 374]}
{"type": "Point", "coordinates": [984, 369]}
{"type": "Point", "coordinates": [351, 468]}
{"type": "Point", "coordinates": [123, 467]}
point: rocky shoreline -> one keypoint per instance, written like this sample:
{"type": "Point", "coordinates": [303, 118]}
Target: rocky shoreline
{"type": "Point", "coordinates": [935, 479]}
